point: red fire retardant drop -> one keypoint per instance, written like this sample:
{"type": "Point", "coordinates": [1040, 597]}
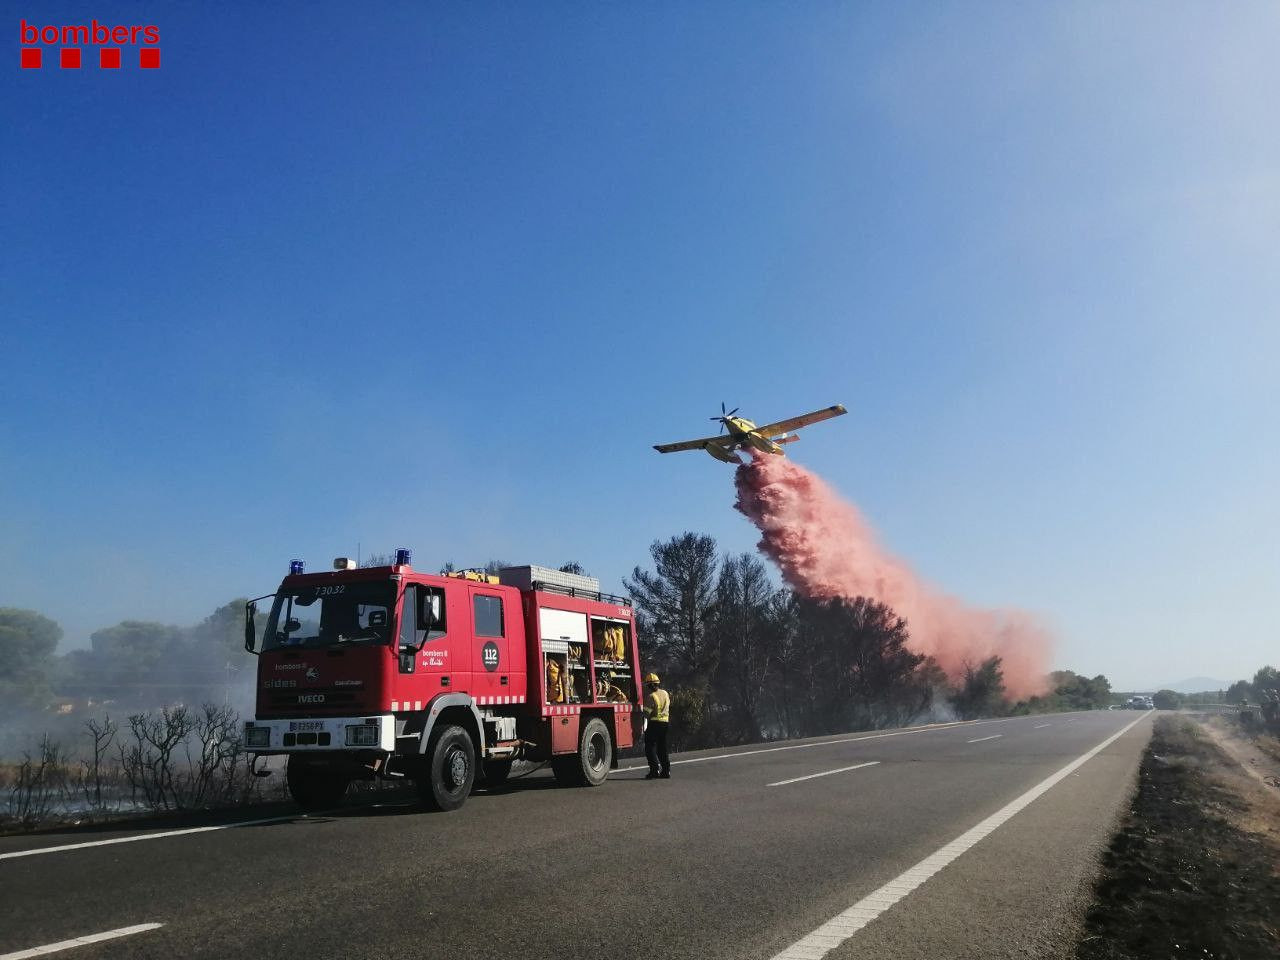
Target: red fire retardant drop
{"type": "Point", "coordinates": [825, 549]}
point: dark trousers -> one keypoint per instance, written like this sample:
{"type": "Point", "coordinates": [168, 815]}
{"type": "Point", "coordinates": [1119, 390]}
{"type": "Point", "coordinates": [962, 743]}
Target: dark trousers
{"type": "Point", "coordinates": [655, 747]}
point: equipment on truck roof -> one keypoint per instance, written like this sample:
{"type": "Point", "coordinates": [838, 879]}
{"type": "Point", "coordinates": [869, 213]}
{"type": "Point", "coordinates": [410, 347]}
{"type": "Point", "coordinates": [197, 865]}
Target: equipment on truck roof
{"type": "Point", "coordinates": [479, 576]}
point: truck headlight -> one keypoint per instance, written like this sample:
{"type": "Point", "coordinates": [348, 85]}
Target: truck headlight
{"type": "Point", "coordinates": [364, 735]}
{"type": "Point", "coordinates": [257, 737]}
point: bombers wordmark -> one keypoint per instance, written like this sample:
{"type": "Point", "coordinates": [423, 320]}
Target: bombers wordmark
{"type": "Point", "coordinates": [90, 33]}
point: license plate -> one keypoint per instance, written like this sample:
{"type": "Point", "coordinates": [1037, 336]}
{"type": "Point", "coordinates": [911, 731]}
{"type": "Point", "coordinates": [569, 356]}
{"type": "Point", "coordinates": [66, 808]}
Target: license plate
{"type": "Point", "coordinates": [305, 725]}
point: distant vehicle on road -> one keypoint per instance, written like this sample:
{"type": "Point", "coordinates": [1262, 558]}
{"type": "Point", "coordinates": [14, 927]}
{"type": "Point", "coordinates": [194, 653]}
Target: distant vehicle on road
{"type": "Point", "coordinates": [384, 672]}
{"type": "Point", "coordinates": [1140, 703]}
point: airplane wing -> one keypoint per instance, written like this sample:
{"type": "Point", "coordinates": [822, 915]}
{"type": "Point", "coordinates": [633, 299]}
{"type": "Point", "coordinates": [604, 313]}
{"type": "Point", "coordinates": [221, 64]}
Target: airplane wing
{"type": "Point", "coordinates": [795, 423]}
{"type": "Point", "coordinates": [687, 444]}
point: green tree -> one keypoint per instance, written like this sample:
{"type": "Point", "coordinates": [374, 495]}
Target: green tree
{"type": "Point", "coordinates": [1071, 691]}
{"type": "Point", "coordinates": [1267, 678]}
{"type": "Point", "coordinates": [675, 604]}
{"type": "Point", "coordinates": [574, 568]}
{"type": "Point", "coordinates": [674, 607]}
{"type": "Point", "coordinates": [856, 672]}
{"type": "Point", "coordinates": [981, 691]}
{"type": "Point", "coordinates": [744, 630]}
{"type": "Point", "coordinates": [135, 662]}
{"type": "Point", "coordinates": [1240, 690]}
{"type": "Point", "coordinates": [1166, 700]}
{"type": "Point", "coordinates": [27, 643]}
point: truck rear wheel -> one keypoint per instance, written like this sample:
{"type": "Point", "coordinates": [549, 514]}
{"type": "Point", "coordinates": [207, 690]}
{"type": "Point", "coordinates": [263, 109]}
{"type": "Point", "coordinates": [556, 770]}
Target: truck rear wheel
{"type": "Point", "coordinates": [589, 767]}
{"type": "Point", "coordinates": [450, 769]}
{"type": "Point", "coordinates": [313, 787]}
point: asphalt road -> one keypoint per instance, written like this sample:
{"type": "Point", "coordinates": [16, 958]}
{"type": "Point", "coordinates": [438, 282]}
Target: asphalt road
{"type": "Point", "coordinates": [742, 854]}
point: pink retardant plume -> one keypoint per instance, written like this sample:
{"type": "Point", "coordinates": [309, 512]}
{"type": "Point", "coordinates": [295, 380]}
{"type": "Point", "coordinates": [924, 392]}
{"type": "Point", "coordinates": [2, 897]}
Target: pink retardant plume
{"type": "Point", "coordinates": [825, 549]}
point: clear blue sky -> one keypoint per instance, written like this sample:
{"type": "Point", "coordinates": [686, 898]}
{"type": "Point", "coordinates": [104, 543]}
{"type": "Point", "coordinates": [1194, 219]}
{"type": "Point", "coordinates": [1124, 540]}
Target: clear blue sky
{"type": "Point", "coordinates": [438, 275]}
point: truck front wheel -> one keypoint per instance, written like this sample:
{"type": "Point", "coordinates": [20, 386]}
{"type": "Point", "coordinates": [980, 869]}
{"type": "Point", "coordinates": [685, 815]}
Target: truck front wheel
{"type": "Point", "coordinates": [589, 767]}
{"type": "Point", "coordinates": [450, 769]}
{"type": "Point", "coordinates": [313, 787]}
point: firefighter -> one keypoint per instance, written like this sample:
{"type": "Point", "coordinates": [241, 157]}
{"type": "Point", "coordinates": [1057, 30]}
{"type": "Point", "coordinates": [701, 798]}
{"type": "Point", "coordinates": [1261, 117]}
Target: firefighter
{"type": "Point", "coordinates": [658, 709]}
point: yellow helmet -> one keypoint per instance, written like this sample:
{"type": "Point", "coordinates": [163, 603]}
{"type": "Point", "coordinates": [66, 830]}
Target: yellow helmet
{"type": "Point", "coordinates": [651, 678]}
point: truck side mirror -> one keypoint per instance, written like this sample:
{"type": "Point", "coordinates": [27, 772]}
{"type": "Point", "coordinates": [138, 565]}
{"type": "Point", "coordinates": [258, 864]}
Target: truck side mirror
{"type": "Point", "coordinates": [250, 632]}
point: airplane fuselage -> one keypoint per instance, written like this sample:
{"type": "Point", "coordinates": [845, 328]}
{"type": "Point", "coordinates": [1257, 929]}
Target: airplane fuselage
{"type": "Point", "coordinates": [745, 434]}
{"type": "Point", "coordinates": [739, 432]}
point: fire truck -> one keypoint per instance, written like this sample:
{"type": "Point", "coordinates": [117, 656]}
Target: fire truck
{"type": "Point", "coordinates": [445, 680]}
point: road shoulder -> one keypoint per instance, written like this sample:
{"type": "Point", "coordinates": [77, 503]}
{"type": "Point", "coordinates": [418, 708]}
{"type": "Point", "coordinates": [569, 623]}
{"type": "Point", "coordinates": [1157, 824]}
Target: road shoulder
{"type": "Point", "coordinates": [1023, 890]}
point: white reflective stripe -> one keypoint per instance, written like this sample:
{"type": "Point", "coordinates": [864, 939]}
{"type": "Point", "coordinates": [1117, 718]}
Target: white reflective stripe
{"type": "Point", "coordinates": [417, 704]}
{"type": "Point", "coordinates": [61, 945]}
{"type": "Point", "coordinates": [395, 705]}
{"type": "Point", "coordinates": [845, 924]}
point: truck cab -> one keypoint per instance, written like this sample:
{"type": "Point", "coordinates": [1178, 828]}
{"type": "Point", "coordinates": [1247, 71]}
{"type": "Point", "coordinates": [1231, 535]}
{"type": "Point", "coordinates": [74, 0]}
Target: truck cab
{"type": "Point", "coordinates": [442, 679]}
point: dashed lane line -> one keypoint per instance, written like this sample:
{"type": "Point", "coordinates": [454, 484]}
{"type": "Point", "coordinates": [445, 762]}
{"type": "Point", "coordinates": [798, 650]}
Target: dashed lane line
{"type": "Point", "coordinates": [822, 743]}
{"type": "Point", "coordinates": [49, 948]}
{"type": "Point", "coordinates": [984, 739]}
{"type": "Point", "coordinates": [1041, 726]}
{"type": "Point", "coordinates": [143, 836]}
{"type": "Point", "coordinates": [825, 773]}
{"type": "Point", "coordinates": [60, 848]}
{"type": "Point", "coordinates": [833, 933]}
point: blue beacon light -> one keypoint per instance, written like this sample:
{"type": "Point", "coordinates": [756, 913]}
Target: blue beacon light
{"type": "Point", "coordinates": [296, 567]}
{"type": "Point", "coordinates": [404, 557]}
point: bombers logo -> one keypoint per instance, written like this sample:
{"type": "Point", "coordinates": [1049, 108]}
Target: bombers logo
{"type": "Point", "coordinates": [71, 38]}
{"type": "Point", "coordinates": [292, 666]}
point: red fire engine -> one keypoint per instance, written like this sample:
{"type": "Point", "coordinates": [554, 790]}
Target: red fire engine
{"type": "Point", "coordinates": [445, 680]}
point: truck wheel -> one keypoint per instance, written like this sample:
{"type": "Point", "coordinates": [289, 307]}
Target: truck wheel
{"type": "Point", "coordinates": [496, 773]}
{"type": "Point", "coordinates": [589, 767]}
{"type": "Point", "coordinates": [314, 788]}
{"type": "Point", "coordinates": [451, 769]}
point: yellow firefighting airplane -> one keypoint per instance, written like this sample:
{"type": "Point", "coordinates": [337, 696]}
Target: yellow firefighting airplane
{"type": "Point", "coordinates": [743, 433]}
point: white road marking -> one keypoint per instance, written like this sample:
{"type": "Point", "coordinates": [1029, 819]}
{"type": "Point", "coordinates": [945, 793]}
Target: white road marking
{"type": "Point", "coordinates": [80, 941]}
{"type": "Point", "coordinates": [825, 773]}
{"type": "Point", "coordinates": [824, 743]}
{"type": "Point", "coordinates": [142, 836]}
{"type": "Point", "coordinates": [1041, 726]}
{"type": "Point", "coordinates": [982, 739]}
{"type": "Point", "coordinates": [844, 925]}
{"type": "Point", "coordinates": [253, 823]}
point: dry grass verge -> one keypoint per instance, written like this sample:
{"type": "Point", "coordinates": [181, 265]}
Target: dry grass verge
{"type": "Point", "coordinates": [1185, 876]}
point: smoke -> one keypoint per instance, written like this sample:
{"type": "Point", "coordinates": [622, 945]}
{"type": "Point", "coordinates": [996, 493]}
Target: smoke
{"type": "Point", "coordinates": [825, 549]}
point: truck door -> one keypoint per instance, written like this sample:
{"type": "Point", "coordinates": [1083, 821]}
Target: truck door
{"type": "Point", "coordinates": [425, 654]}
{"type": "Point", "coordinates": [491, 656]}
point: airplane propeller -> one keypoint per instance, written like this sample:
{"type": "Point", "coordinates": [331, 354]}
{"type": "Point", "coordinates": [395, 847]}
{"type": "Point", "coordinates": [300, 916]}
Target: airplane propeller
{"type": "Point", "coordinates": [724, 417]}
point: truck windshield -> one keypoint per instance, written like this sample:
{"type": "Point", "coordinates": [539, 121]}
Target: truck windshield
{"type": "Point", "coordinates": [324, 616]}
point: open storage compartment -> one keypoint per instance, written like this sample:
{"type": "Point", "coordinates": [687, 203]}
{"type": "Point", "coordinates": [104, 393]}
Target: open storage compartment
{"type": "Point", "coordinates": [611, 655]}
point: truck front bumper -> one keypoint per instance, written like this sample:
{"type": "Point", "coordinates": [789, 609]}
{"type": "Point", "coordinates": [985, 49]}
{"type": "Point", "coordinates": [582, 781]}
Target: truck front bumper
{"type": "Point", "coordinates": [321, 733]}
